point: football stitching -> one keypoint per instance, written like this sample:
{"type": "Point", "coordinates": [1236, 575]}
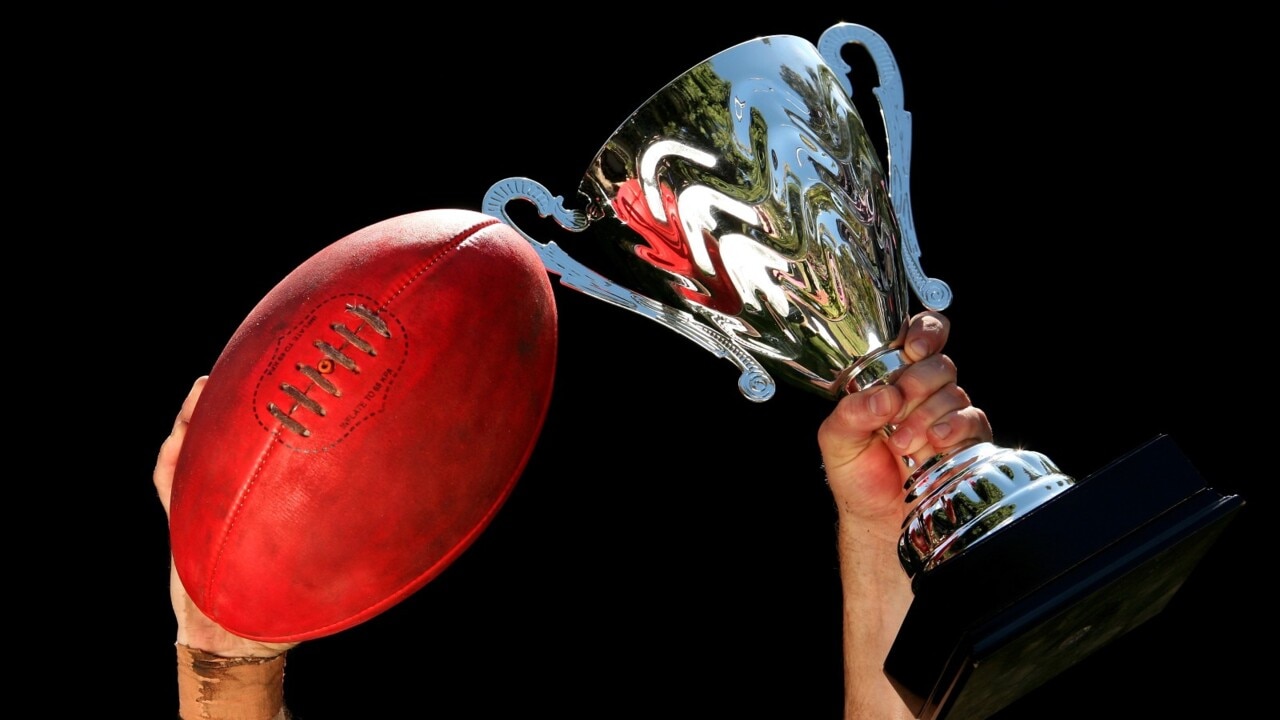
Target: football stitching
{"type": "Point", "coordinates": [337, 354]}
{"type": "Point", "coordinates": [380, 387]}
{"type": "Point", "coordinates": [454, 242]}
{"type": "Point", "coordinates": [459, 240]}
{"type": "Point", "coordinates": [231, 524]}
{"type": "Point", "coordinates": [335, 357]}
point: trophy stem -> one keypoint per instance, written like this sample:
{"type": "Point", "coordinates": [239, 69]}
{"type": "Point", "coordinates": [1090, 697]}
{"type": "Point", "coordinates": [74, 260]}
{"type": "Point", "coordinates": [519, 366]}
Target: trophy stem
{"type": "Point", "coordinates": [879, 368]}
{"type": "Point", "coordinates": [963, 495]}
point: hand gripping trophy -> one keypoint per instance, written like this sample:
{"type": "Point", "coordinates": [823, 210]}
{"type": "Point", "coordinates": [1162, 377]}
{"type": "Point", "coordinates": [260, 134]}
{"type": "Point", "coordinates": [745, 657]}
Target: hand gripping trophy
{"type": "Point", "coordinates": [744, 207]}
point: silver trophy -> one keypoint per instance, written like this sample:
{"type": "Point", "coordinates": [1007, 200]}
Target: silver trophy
{"type": "Point", "coordinates": [745, 207]}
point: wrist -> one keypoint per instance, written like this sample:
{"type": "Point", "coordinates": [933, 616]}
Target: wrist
{"type": "Point", "coordinates": [213, 687]}
{"type": "Point", "coordinates": [877, 590]}
{"type": "Point", "coordinates": [876, 534]}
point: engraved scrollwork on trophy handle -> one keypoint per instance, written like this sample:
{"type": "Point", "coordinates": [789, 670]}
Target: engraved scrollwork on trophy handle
{"type": "Point", "coordinates": [932, 292]}
{"type": "Point", "coordinates": [754, 382]}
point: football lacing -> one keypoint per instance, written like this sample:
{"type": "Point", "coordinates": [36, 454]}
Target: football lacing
{"type": "Point", "coordinates": [334, 356]}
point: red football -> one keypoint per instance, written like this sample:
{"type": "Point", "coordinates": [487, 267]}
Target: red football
{"type": "Point", "coordinates": [364, 424]}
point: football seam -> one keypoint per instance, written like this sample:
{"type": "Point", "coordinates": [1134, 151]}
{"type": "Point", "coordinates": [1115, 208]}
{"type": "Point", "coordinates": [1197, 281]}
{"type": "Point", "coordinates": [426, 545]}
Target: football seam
{"type": "Point", "coordinates": [258, 392]}
{"type": "Point", "coordinates": [417, 582]}
{"type": "Point", "coordinates": [449, 247]}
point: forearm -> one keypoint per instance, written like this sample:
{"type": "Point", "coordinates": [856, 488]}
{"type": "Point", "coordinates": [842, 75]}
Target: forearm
{"type": "Point", "coordinates": [877, 594]}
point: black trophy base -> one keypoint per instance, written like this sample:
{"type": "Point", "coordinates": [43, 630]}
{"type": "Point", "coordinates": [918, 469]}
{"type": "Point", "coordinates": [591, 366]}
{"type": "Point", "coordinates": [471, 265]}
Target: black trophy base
{"type": "Point", "coordinates": [1043, 593]}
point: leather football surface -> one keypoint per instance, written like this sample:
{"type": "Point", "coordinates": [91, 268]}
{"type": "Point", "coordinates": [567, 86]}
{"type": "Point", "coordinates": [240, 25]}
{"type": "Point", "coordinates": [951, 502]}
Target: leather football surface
{"type": "Point", "coordinates": [364, 424]}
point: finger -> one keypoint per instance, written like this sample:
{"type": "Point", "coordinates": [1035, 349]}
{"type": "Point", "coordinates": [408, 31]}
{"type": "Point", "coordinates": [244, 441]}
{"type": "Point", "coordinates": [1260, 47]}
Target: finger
{"type": "Point", "coordinates": [171, 448]}
{"type": "Point", "coordinates": [927, 334]}
{"type": "Point", "coordinates": [193, 397]}
{"type": "Point", "coordinates": [856, 422]}
{"type": "Point", "coordinates": [918, 430]}
{"type": "Point", "coordinates": [957, 431]}
{"type": "Point", "coordinates": [920, 380]}
{"type": "Point", "coordinates": [968, 424]}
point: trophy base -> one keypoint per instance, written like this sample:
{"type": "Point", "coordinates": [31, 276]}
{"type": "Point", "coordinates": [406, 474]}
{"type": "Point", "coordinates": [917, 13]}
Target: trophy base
{"type": "Point", "coordinates": [1038, 596]}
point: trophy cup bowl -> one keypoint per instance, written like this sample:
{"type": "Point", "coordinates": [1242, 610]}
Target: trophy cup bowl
{"type": "Point", "coordinates": [744, 207]}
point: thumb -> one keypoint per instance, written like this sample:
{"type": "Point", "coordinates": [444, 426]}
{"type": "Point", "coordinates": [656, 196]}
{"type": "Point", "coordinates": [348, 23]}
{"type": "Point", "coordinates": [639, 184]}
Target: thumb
{"type": "Point", "coordinates": [167, 460]}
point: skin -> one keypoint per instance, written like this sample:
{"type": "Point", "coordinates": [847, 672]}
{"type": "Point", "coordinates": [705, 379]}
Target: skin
{"type": "Point", "coordinates": [865, 471]}
{"type": "Point", "coordinates": [195, 629]}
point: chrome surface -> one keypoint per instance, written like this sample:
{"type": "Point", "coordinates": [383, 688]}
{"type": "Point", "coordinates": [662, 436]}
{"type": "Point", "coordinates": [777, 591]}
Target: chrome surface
{"type": "Point", "coordinates": [754, 382]}
{"type": "Point", "coordinates": [744, 207]}
{"type": "Point", "coordinates": [969, 493]}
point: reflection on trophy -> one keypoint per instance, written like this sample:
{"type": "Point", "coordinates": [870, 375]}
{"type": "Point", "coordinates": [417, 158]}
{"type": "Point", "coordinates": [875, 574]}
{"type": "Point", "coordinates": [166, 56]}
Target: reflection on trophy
{"type": "Point", "coordinates": [745, 207]}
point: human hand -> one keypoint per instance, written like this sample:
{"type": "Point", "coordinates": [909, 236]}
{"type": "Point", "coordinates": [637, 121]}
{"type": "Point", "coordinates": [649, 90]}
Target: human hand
{"type": "Point", "coordinates": [930, 414]}
{"type": "Point", "coordinates": [195, 629]}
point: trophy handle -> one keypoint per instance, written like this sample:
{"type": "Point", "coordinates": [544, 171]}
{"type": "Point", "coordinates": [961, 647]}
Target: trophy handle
{"type": "Point", "coordinates": [933, 293]}
{"type": "Point", "coordinates": [755, 383]}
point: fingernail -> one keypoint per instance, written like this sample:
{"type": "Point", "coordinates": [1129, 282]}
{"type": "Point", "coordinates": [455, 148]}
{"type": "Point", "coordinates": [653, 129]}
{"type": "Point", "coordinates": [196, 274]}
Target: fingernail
{"type": "Point", "coordinates": [942, 430]}
{"type": "Point", "coordinates": [919, 348]}
{"type": "Point", "coordinates": [880, 402]}
{"type": "Point", "coordinates": [901, 438]}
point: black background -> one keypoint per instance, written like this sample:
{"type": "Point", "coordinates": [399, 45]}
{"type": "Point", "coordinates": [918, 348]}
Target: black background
{"type": "Point", "coordinates": [1083, 182]}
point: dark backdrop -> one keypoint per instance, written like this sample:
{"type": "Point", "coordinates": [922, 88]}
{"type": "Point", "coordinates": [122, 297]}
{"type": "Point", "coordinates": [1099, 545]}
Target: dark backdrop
{"type": "Point", "coordinates": [1077, 179]}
